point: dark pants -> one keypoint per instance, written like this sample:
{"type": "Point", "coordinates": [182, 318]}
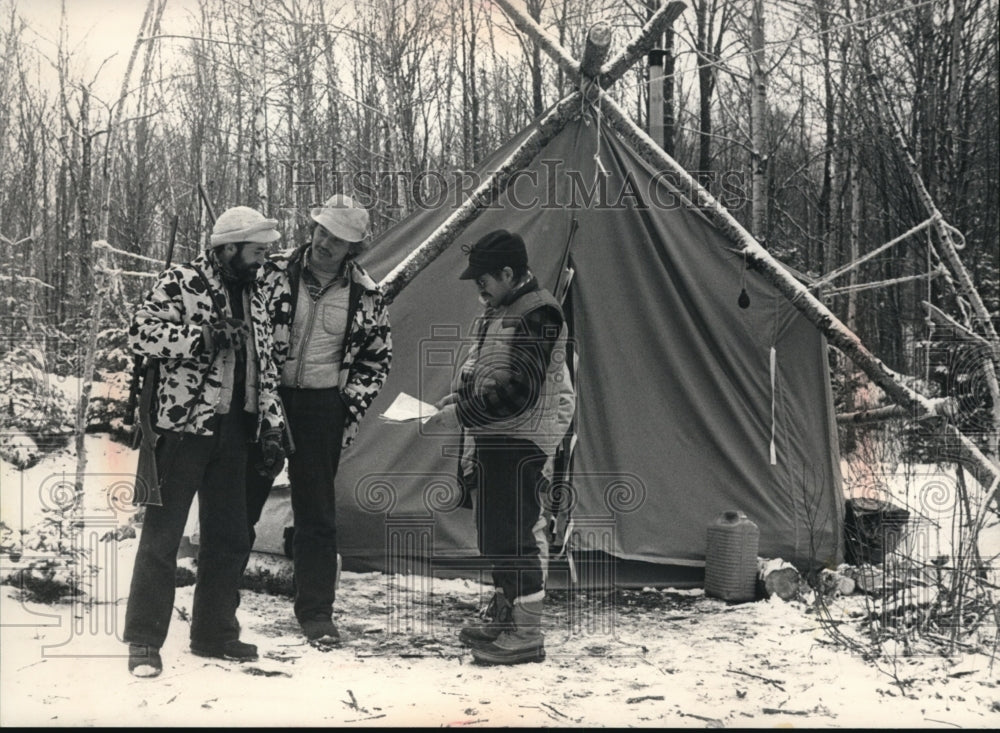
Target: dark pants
{"type": "Point", "coordinates": [316, 418]}
{"type": "Point", "coordinates": [508, 511]}
{"type": "Point", "coordinates": [213, 467]}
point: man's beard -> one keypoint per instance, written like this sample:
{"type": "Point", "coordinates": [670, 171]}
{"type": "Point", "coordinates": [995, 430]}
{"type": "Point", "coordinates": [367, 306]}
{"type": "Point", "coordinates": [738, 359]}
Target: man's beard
{"type": "Point", "coordinates": [243, 271]}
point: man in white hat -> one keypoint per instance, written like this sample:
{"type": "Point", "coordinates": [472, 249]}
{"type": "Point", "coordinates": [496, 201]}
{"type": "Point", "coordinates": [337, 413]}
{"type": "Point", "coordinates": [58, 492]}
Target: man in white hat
{"type": "Point", "coordinates": [333, 347]}
{"type": "Point", "coordinates": [205, 325]}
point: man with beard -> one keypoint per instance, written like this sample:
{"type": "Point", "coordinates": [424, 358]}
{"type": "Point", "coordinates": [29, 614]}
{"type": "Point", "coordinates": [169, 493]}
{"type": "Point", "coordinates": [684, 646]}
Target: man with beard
{"type": "Point", "coordinates": [205, 324]}
{"type": "Point", "coordinates": [333, 349]}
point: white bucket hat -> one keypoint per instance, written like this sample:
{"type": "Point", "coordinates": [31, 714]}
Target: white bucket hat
{"type": "Point", "coordinates": [243, 224]}
{"type": "Point", "coordinates": [342, 217]}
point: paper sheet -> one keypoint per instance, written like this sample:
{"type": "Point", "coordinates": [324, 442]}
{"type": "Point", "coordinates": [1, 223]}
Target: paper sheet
{"type": "Point", "coordinates": [406, 408]}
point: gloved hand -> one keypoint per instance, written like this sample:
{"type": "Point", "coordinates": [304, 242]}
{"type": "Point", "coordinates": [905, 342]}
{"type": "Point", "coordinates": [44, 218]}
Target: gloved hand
{"type": "Point", "coordinates": [272, 454]}
{"type": "Point", "coordinates": [229, 333]}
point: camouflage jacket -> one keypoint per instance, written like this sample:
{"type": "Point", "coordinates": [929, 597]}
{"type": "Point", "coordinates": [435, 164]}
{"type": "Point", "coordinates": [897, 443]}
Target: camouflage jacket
{"type": "Point", "coordinates": [364, 363]}
{"type": "Point", "coordinates": [167, 327]}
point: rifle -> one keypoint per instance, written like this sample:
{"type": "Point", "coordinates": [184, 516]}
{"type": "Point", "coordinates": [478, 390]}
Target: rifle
{"type": "Point", "coordinates": [565, 275]}
{"type": "Point", "coordinates": [147, 490]}
{"type": "Point", "coordinates": [138, 364]}
{"type": "Point", "coordinates": [561, 468]}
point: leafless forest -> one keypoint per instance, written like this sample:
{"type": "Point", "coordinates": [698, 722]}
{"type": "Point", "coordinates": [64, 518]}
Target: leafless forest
{"type": "Point", "coordinates": [857, 140]}
{"type": "Point", "coordinates": [828, 127]}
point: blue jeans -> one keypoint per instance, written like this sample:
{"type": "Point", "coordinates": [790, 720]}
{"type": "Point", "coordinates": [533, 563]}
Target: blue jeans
{"type": "Point", "coordinates": [214, 468]}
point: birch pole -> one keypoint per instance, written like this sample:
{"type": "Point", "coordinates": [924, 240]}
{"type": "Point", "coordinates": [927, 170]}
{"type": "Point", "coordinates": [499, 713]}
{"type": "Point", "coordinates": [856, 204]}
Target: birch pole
{"type": "Point", "coordinates": [596, 49]}
{"type": "Point", "coordinates": [90, 358]}
{"type": "Point", "coordinates": [530, 28]}
{"type": "Point", "coordinates": [115, 121]}
{"type": "Point", "coordinates": [544, 130]}
{"type": "Point", "coordinates": [480, 199]}
{"type": "Point", "coordinates": [949, 253]}
{"type": "Point", "coordinates": [643, 43]}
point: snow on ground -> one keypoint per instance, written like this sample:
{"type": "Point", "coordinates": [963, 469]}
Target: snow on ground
{"type": "Point", "coordinates": [627, 658]}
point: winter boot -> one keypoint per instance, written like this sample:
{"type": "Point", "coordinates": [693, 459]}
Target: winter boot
{"type": "Point", "coordinates": [144, 661]}
{"type": "Point", "coordinates": [321, 631]}
{"type": "Point", "coordinates": [495, 619]}
{"type": "Point", "coordinates": [233, 650]}
{"type": "Point", "coordinates": [522, 643]}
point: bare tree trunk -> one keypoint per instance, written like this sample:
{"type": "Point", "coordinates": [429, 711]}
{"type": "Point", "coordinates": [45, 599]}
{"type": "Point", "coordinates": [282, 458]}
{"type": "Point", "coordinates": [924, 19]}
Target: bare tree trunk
{"type": "Point", "coordinates": [954, 84]}
{"type": "Point", "coordinates": [708, 49]}
{"type": "Point", "coordinates": [854, 239]}
{"type": "Point", "coordinates": [538, 106]}
{"type": "Point", "coordinates": [706, 86]}
{"type": "Point", "coordinates": [258, 151]}
{"type": "Point", "coordinates": [669, 84]}
{"type": "Point", "coordinates": [827, 210]}
{"type": "Point", "coordinates": [758, 123]}
{"type": "Point", "coordinates": [83, 191]}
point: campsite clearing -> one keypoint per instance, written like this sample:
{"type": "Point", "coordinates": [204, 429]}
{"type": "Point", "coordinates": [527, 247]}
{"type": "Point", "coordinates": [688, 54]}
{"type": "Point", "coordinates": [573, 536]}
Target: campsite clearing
{"type": "Point", "coordinates": [636, 658]}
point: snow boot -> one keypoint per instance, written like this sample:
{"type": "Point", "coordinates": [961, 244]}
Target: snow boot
{"type": "Point", "coordinates": [522, 643]}
{"type": "Point", "coordinates": [144, 661]}
{"type": "Point", "coordinates": [495, 618]}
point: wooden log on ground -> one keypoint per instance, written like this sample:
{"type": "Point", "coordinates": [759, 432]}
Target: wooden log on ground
{"type": "Point", "coordinates": [779, 578]}
{"type": "Point", "coordinates": [870, 579]}
{"type": "Point", "coordinates": [833, 583]}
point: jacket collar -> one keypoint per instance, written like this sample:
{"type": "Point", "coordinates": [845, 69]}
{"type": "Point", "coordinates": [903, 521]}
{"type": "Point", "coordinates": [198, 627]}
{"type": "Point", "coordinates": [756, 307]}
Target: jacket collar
{"type": "Point", "coordinates": [209, 264]}
{"type": "Point", "coordinates": [293, 260]}
{"type": "Point", "coordinates": [527, 285]}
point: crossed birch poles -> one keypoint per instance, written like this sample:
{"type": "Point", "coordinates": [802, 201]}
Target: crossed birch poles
{"type": "Point", "coordinates": [595, 76]}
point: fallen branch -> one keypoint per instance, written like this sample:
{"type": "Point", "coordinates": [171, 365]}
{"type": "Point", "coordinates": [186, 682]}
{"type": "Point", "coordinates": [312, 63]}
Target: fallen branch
{"type": "Point", "coordinates": [779, 711]}
{"type": "Point", "coordinates": [776, 683]}
{"type": "Point", "coordinates": [943, 406]}
{"type": "Point", "coordinates": [702, 717]}
{"type": "Point", "coordinates": [634, 700]}
{"type": "Point", "coordinates": [546, 705]}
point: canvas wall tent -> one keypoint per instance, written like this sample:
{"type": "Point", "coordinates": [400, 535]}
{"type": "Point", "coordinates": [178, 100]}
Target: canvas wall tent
{"type": "Point", "coordinates": [688, 404]}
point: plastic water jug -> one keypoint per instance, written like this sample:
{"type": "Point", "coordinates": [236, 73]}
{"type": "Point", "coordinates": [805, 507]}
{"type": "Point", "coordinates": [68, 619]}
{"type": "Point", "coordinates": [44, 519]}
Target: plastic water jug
{"type": "Point", "coordinates": [731, 557]}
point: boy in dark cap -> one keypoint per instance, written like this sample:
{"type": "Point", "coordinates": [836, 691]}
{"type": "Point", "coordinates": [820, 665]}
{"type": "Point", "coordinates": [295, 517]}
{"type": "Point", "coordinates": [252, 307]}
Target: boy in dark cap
{"type": "Point", "coordinates": [505, 399]}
